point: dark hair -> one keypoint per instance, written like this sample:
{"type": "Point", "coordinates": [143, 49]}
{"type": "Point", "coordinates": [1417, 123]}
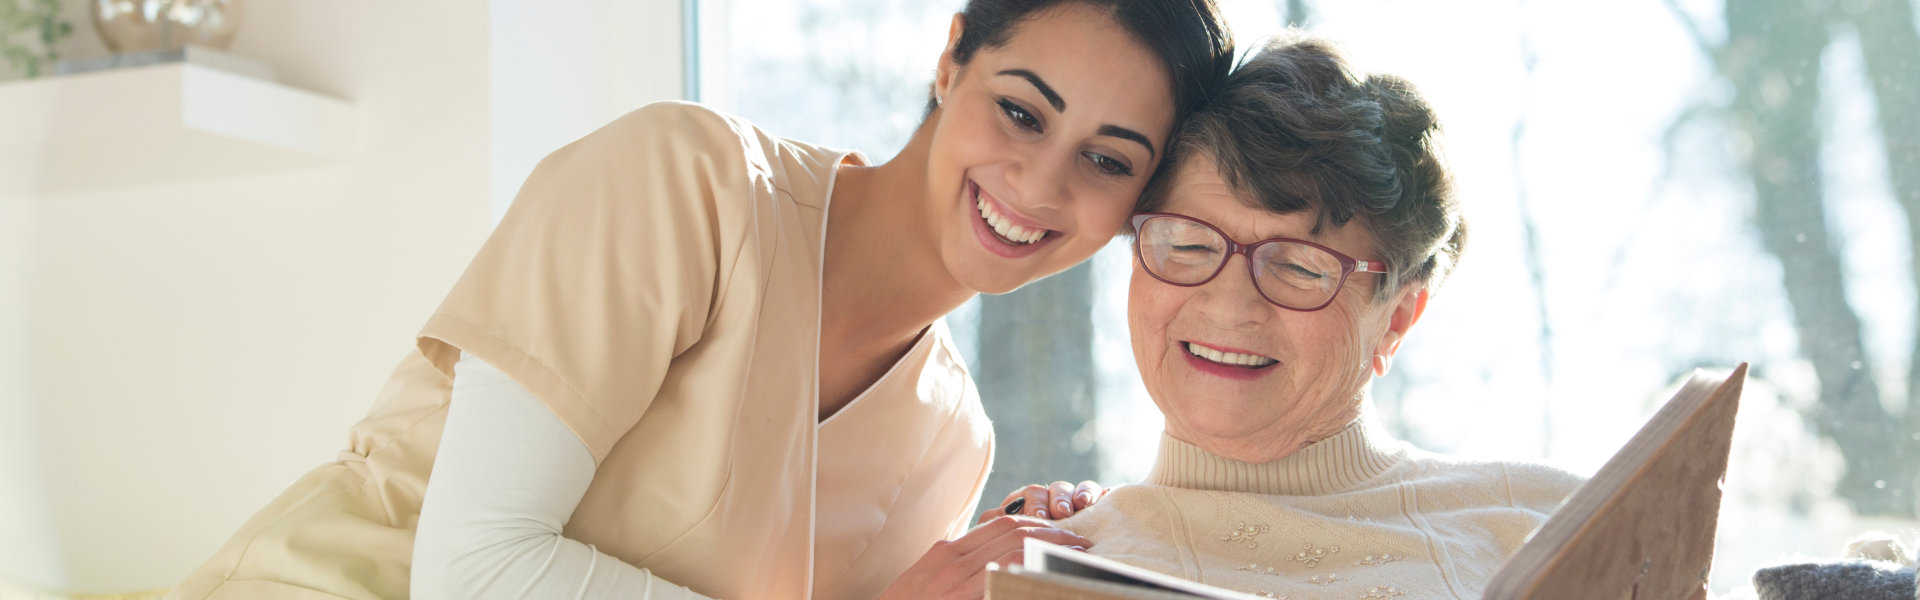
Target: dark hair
{"type": "Point", "coordinates": [1187, 35]}
{"type": "Point", "coordinates": [1295, 128]}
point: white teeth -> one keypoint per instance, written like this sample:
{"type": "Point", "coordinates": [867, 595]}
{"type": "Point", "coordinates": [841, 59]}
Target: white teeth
{"type": "Point", "coordinates": [1016, 233]}
{"type": "Point", "coordinates": [1228, 358]}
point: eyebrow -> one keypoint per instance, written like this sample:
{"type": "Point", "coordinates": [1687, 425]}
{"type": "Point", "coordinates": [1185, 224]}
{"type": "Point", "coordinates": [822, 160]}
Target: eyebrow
{"type": "Point", "coordinates": [1060, 105]}
{"type": "Point", "coordinates": [1040, 84]}
{"type": "Point", "coordinates": [1128, 134]}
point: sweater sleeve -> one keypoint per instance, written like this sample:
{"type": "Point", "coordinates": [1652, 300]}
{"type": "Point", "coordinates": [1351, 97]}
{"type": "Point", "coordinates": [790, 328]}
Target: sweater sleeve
{"type": "Point", "coordinates": [506, 480]}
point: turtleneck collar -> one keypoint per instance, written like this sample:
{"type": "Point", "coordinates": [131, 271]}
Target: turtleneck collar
{"type": "Point", "coordinates": [1341, 462]}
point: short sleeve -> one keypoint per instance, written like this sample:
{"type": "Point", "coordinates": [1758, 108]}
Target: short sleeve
{"type": "Point", "coordinates": [605, 268]}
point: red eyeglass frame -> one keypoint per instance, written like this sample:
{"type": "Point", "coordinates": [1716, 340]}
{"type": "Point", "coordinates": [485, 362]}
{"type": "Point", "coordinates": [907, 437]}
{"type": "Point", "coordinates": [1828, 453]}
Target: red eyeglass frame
{"type": "Point", "coordinates": [1348, 265]}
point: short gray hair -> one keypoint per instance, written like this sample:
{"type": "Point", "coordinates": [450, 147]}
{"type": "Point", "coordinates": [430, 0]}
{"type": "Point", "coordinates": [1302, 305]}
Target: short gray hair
{"type": "Point", "coordinates": [1295, 128]}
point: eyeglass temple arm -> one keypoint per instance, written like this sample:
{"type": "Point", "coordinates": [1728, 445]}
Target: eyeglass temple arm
{"type": "Point", "coordinates": [1369, 266]}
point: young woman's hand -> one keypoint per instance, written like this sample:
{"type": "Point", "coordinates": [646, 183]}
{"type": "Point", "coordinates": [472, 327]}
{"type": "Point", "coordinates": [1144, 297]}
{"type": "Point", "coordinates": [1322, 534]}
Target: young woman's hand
{"type": "Point", "coordinates": [958, 569]}
{"type": "Point", "coordinates": [1057, 501]}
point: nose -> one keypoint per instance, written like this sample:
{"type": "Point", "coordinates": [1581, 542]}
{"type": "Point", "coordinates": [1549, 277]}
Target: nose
{"type": "Point", "coordinates": [1041, 177]}
{"type": "Point", "coordinates": [1230, 300]}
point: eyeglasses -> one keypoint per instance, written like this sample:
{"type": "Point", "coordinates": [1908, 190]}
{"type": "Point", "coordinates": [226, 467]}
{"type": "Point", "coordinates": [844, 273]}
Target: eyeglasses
{"type": "Point", "coordinates": [1292, 274]}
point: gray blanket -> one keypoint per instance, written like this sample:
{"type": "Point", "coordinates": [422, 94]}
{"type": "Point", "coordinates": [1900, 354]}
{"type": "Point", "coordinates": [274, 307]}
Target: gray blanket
{"type": "Point", "coordinates": [1850, 579]}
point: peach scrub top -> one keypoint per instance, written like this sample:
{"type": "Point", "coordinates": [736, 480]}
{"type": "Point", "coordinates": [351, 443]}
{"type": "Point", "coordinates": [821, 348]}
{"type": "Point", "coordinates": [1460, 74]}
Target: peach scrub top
{"type": "Point", "coordinates": [656, 284]}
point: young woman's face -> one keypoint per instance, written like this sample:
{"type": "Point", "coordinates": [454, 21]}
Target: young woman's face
{"type": "Point", "coordinates": [1042, 145]}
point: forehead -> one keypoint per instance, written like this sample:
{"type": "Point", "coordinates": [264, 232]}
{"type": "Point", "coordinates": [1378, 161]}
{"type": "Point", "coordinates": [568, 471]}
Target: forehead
{"type": "Point", "coordinates": [1200, 192]}
{"type": "Point", "coordinates": [1099, 68]}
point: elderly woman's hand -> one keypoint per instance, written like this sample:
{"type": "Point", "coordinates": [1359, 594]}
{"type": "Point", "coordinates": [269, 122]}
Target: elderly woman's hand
{"type": "Point", "coordinates": [958, 568]}
{"type": "Point", "coordinates": [1057, 501]}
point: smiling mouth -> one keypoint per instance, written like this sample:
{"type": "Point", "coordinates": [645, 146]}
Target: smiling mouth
{"type": "Point", "coordinates": [1230, 359]}
{"type": "Point", "coordinates": [1002, 227]}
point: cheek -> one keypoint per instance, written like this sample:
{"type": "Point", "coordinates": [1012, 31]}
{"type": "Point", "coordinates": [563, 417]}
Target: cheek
{"type": "Point", "coordinates": [964, 139]}
{"type": "Point", "coordinates": [1099, 211]}
{"type": "Point", "coordinates": [1335, 331]}
{"type": "Point", "coordinates": [1150, 307]}
{"type": "Point", "coordinates": [1104, 209]}
{"type": "Point", "coordinates": [1343, 344]}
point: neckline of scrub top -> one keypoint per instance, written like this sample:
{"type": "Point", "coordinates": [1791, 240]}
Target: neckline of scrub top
{"type": "Point", "coordinates": [820, 304]}
{"type": "Point", "coordinates": [925, 337]}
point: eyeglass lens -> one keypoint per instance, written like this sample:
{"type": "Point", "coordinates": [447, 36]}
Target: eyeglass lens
{"type": "Point", "coordinates": [1186, 252]}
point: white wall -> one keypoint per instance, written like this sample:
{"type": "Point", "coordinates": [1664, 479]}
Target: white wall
{"type": "Point", "coordinates": [173, 355]}
{"type": "Point", "coordinates": [26, 534]}
{"type": "Point", "coordinates": [563, 69]}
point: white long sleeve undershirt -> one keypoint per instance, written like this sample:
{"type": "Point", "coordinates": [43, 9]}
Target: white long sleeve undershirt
{"type": "Point", "coordinates": [507, 477]}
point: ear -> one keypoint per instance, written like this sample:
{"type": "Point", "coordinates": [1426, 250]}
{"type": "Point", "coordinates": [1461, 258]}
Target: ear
{"type": "Point", "coordinates": [949, 70]}
{"type": "Point", "coordinates": [1406, 311]}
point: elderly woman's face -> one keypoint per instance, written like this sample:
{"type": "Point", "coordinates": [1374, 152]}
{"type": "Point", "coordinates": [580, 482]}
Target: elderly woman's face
{"type": "Point", "coordinates": [1315, 363]}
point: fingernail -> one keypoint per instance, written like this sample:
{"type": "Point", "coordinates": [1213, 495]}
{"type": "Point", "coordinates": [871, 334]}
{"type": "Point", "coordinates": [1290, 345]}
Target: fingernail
{"type": "Point", "coordinates": [1080, 548]}
{"type": "Point", "coordinates": [1013, 508]}
{"type": "Point", "coordinates": [1083, 497]}
{"type": "Point", "coordinates": [1064, 507]}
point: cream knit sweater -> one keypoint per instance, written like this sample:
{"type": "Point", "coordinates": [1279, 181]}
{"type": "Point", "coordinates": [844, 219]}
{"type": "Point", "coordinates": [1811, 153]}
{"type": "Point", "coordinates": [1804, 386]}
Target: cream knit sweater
{"type": "Point", "coordinates": [1357, 515]}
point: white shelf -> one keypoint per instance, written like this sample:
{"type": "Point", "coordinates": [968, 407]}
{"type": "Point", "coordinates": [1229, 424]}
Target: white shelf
{"type": "Point", "coordinates": [169, 122]}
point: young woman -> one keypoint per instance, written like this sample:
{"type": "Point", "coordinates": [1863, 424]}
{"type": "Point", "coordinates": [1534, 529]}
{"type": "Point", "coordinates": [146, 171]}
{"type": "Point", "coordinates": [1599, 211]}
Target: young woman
{"type": "Point", "coordinates": [697, 359]}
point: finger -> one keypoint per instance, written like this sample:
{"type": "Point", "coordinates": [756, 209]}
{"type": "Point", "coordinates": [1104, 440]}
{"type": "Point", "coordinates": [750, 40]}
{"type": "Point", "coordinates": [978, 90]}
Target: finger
{"type": "Point", "coordinates": [1036, 496]}
{"type": "Point", "coordinates": [1060, 500]}
{"type": "Point", "coordinates": [998, 511]}
{"type": "Point", "coordinates": [1086, 493]}
{"type": "Point", "coordinates": [1055, 536]}
{"type": "Point", "coordinates": [986, 533]}
{"type": "Point", "coordinates": [1019, 493]}
{"type": "Point", "coordinates": [1002, 553]}
{"type": "Point", "coordinates": [1016, 540]}
{"type": "Point", "coordinates": [1015, 504]}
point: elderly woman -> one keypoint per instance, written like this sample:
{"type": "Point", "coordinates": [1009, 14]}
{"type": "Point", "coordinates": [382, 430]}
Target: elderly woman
{"type": "Point", "coordinates": [1307, 223]}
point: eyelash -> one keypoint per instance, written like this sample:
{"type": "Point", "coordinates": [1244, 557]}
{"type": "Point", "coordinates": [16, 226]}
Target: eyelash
{"type": "Point", "coordinates": [1026, 121]}
{"type": "Point", "coordinates": [1020, 117]}
{"type": "Point", "coordinates": [1109, 166]}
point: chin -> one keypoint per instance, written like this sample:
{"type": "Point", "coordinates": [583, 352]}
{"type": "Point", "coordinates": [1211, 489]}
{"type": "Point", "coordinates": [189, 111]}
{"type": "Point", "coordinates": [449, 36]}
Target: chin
{"type": "Point", "coordinates": [994, 283]}
{"type": "Point", "coordinates": [983, 273]}
{"type": "Point", "coordinates": [1221, 415]}
{"type": "Point", "coordinates": [1222, 423]}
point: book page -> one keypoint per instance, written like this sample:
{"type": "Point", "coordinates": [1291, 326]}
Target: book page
{"type": "Point", "coordinates": [1043, 557]}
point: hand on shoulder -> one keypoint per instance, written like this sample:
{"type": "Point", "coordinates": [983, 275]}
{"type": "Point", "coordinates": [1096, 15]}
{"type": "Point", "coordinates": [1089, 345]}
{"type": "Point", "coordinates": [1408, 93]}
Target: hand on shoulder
{"type": "Point", "coordinates": [1056, 501]}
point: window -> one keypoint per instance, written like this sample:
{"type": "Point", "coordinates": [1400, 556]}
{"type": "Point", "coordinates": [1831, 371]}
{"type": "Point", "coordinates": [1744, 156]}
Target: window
{"type": "Point", "coordinates": [1632, 217]}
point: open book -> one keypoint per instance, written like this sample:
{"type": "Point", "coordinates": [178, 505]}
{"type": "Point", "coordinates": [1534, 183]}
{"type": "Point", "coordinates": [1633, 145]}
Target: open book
{"type": "Point", "coordinates": [1053, 571]}
{"type": "Point", "coordinates": [1641, 528]}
